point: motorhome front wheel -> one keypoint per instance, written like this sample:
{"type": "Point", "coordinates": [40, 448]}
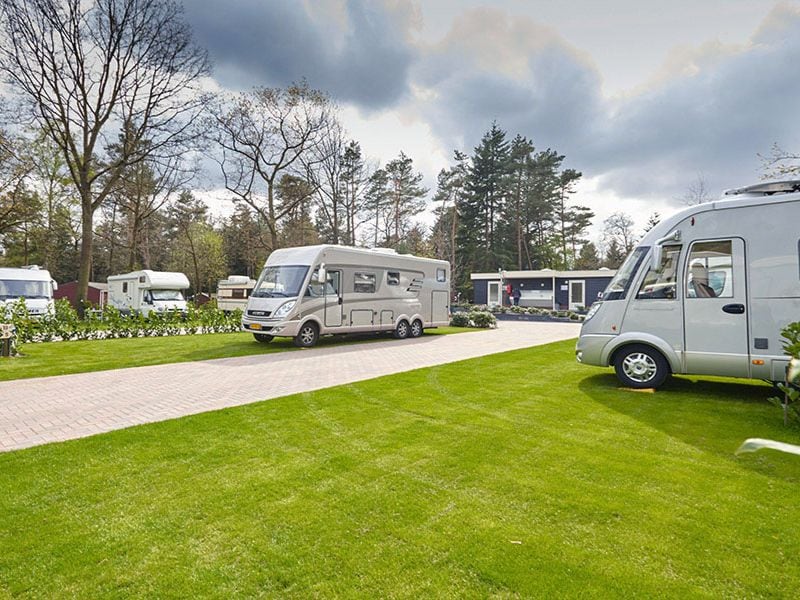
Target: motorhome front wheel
{"type": "Point", "coordinates": [263, 338]}
{"type": "Point", "coordinates": [307, 336]}
{"type": "Point", "coordinates": [641, 367]}
{"type": "Point", "coordinates": [402, 330]}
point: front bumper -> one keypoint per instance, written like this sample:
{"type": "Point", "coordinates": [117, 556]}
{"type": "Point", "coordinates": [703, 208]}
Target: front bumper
{"type": "Point", "coordinates": [589, 349]}
{"type": "Point", "coordinates": [276, 328]}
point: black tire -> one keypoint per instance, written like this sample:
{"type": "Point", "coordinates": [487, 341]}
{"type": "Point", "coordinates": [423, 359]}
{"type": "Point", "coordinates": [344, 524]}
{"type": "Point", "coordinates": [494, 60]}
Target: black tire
{"type": "Point", "coordinates": [402, 330]}
{"type": "Point", "coordinates": [308, 335]}
{"type": "Point", "coordinates": [641, 367]}
{"type": "Point", "coordinates": [416, 329]}
{"type": "Point", "coordinates": [263, 338]}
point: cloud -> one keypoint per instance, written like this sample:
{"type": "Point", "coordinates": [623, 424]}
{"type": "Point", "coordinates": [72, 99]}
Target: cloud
{"type": "Point", "coordinates": [358, 51]}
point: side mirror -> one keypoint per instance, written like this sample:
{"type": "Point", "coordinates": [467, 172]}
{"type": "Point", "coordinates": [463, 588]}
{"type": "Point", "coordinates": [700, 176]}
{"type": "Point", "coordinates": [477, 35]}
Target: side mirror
{"type": "Point", "coordinates": [55, 285]}
{"type": "Point", "coordinates": [655, 257]}
{"type": "Point", "coordinates": [322, 276]}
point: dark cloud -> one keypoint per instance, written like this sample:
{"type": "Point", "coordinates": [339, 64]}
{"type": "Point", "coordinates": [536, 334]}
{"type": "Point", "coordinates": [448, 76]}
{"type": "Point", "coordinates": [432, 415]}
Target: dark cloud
{"type": "Point", "coordinates": [711, 118]}
{"type": "Point", "coordinates": [358, 51]}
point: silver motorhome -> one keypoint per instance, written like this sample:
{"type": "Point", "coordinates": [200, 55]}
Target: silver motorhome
{"type": "Point", "coordinates": [310, 291]}
{"type": "Point", "coordinates": [706, 292]}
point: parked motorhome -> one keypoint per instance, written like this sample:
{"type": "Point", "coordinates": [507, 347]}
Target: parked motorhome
{"type": "Point", "coordinates": [233, 292]}
{"type": "Point", "coordinates": [310, 291]}
{"type": "Point", "coordinates": [147, 291]}
{"type": "Point", "coordinates": [706, 292]}
{"type": "Point", "coordinates": [30, 283]}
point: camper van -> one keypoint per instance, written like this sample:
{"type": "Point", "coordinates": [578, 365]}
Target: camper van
{"type": "Point", "coordinates": [233, 292]}
{"type": "Point", "coordinates": [147, 291]}
{"type": "Point", "coordinates": [32, 284]}
{"type": "Point", "coordinates": [706, 292]}
{"type": "Point", "coordinates": [310, 291]}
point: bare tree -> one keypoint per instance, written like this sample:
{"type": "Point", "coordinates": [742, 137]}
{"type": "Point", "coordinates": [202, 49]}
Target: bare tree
{"type": "Point", "coordinates": [88, 70]}
{"type": "Point", "coordinates": [780, 163]}
{"type": "Point", "coordinates": [264, 135]}
{"type": "Point", "coordinates": [618, 229]}
{"type": "Point", "coordinates": [696, 192]}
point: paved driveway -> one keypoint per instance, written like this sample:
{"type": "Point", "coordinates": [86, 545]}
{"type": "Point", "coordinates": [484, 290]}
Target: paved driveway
{"type": "Point", "coordinates": [50, 409]}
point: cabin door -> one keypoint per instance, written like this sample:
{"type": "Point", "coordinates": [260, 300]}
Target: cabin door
{"type": "Point", "coordinates": [494, 297]}
{"type": "Point", "coordinates": [715, 309]}
{"type": "Point", "coordinates": [333, 299]}
{"type": "Point", "coordinates": [577, 294]}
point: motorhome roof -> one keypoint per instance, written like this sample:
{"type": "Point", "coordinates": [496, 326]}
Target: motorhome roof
{"type": "Point", "coordinates": [767, 188]}
{"type": "Point", "coordinates": [166, 280]}
{"type": "Point", "coordinates": [306, 255]}
{"type": "Point", "coordinates": [735, 199]}
{"type": "Point", "coordinates": [24, 274]}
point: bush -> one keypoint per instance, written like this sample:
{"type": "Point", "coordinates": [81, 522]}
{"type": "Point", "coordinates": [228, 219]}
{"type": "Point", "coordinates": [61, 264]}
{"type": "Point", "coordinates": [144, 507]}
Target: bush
{"type": "Point", "coordinates": [482, 319]}
{"type": "Point", "coordinates": [790, 402]}
{"type": "Point", "coordinates": [459, 320]}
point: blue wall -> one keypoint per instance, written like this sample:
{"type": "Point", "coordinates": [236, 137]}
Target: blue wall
{"type": "Point", "coordinates": [594, 285]}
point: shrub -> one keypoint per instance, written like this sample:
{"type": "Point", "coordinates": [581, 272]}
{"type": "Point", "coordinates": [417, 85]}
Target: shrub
{"type": "Point", "coordinates": [482, 319]}
{"type": "Point", "coordinates": [460, 320]}
{"type": "Point", "coordinates": [790, 402]}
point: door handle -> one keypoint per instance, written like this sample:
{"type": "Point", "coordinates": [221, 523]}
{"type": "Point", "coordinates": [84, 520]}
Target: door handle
{"type": "Point", "coordinates": [734, 309]}
{"type": "Point", "coordinates": [340, 302]}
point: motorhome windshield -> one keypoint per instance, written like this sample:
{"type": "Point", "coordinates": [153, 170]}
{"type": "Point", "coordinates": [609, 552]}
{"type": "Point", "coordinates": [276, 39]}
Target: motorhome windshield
{"type": "Point", "coordinates": [166, 295]}
{"type": "Point", "coordinates": [280, 281]}
{"type": "Point", "coordinates": [16, 288]}
{"type": "Point", "coordinates": [618, 287]}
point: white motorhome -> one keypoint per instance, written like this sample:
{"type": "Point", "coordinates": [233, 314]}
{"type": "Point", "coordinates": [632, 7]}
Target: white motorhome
{"type": "Point", "coordinates": [31, 283]}
{"type": "Point", "coordinates": [706, 292]}
{"type": "Point", "coordinates": [310, 291]}
{"type": "Point", "coordinates": [147, 291]}
{"type": "Point", "coordinates": [233, 292]}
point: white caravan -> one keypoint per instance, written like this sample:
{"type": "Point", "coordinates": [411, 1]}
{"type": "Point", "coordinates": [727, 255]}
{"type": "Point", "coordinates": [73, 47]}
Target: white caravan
{"type": "Point", "coordinates": [147, 291]}
{"type": "Point", "coordinates": [31, 283]}
{"type": "Point", "coordinates": [233, 292]}
{"type": "Point", "coordinates": [706, 292]}
{"type": "Point", "coordinates": [318, 290]}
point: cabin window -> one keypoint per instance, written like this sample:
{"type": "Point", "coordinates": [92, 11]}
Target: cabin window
{"type": "Point", "coordinates": [441, 275]}
{"type": "Point", "coordinates": [661, 281]}
{"type": "Point", "coordinates": [364, 283]}
{"type": "Point", "coordinates": [392, 278]}
{"type": "Point", "coordinates": [237, 293]}
{"type": "Point", "coordinates": [124, 287]}
{"type": "Point", "coordinates": [709, 270]}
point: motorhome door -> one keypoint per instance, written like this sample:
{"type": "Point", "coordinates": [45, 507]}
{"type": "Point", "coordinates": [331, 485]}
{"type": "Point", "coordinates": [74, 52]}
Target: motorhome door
{"type": "Point", "coordinates": [333, 299]}
{"type": "Point", "coordinates": [715, 309]}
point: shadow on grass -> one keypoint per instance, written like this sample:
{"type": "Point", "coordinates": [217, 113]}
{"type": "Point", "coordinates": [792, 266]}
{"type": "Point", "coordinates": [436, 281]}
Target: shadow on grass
{"type": "Point", "coordinates": [713, 415]}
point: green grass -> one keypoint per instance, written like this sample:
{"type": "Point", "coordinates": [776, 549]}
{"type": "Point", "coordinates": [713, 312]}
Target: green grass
{"type": "Point", "coordinates": [520, 474]}
{"type": "Point", "coordinates": [61, 358]}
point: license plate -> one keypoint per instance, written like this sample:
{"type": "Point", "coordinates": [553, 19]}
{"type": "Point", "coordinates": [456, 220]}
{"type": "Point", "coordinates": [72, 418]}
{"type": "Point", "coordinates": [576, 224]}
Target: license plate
{"type": "Point", "coordinates": [255, 326]}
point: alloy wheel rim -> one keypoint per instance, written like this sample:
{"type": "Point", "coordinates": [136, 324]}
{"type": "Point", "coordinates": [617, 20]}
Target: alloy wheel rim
{"type": "Point", "coordinates": [307, 335]}
{"type": "Point", "coordinates": [639, 367]}
{"type": "Point", "coordinates": [416, 329]}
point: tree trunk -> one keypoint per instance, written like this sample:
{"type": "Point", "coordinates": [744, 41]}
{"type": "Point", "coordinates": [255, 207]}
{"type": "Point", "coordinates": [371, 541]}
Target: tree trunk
{"type": "Point", "coordinates": [87, 224]}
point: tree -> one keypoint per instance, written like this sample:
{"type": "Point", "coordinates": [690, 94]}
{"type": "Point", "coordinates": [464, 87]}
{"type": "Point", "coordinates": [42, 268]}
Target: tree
{"type": "Point", "coordinates": [196, 246]}
{"type": "Point", "coordinates": [588, 258]}
{"type": "Point", "coordinates": [618, 228]}
{"type": "Point", "coordinates": [296, 227]}
{"type": "Point", "coordinates": [15, 167]}
{"type": "Point", "coordinates": [86, 70]}
{"type": "Point", "coordinates": [241, 242]}
{"type": "Point", "coordinates": [571, 221]}
{"type": "Point", "coordinates": [697, 192]}
{"type": "Point", "coordinates": [615, 255]}
{"type": "Point", "coordinates": [653, 220]}
{"type": "Point", "coordinates": [780, 163]}
{"type": "Point", "coordinates": [264, 135]}
{"type": "Point", "coordinates": [450, 194]}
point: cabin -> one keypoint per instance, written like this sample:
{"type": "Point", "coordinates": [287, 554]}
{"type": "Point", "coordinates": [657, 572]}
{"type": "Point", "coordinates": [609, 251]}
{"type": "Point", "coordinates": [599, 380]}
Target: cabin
{"type": "Point", "coordinates": [97, 293]}
{"type": "Point", "coordinates": [546, 288]}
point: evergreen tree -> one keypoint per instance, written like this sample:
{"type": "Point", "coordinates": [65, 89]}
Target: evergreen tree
{"type": "Point", "coordinates": [588, 258]}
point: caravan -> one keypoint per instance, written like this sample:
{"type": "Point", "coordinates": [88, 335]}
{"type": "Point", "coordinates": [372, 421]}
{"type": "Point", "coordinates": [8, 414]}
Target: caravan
{"type": "Point", "coordinates": [319, 290]}
{"type": "Point", "coordinates": [706, 292]}
{"type": "Point", "coordinates": [148, 291]}
{"type": "Point", "coordinates": [233, 292]}
{"type": "Point", "coordinates": [32, 284]}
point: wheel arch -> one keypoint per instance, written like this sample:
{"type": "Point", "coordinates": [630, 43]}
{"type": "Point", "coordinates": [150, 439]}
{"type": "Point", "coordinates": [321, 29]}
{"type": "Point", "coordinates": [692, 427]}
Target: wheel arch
{"type": "Point", "coordinates": [641, 339]}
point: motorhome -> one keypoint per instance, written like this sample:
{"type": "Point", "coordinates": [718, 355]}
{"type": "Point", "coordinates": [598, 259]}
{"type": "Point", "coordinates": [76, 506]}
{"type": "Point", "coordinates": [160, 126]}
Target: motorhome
{"type": "Point", "coordinates": [233, 292]}
{"type": "Point", "coordinates": [30, 283]}
{"type": "Point", "coordinates": [148, 291]}
{"type": "Point", "coordinates": [706, 292]}
{"type": "Point", "coordinates": [310, 291]}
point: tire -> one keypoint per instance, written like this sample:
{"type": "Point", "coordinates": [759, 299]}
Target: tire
{"type": "Point", "coordinates": [308, 335]}
{"type": "Point", "coordinates": [416, 329]}
{"type": "Point", "coordinates": [263, 338]}
{"type": "Point", "coordinates": [641, 367]}
{"type": "Point", "coordinates": [402, 330]}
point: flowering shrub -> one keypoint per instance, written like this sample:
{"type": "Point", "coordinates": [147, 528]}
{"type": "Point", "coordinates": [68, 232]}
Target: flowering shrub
{"type": "Point", "coordinates": [65, 324]}
{"type": "Point", "coordinates": [790, 402]}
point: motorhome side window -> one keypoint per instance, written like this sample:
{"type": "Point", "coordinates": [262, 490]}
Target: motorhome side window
{"type": "Point", "coordinates": [364, 283]}
{"type": "Point", "coordinates": [124, 287]}
{"type": "Point", "coordinates": [392, 278]}
{"type": "Point", "coordinates": [661, 282]}
{"type": "Point", "coordinates": [329, 288]}
{"type": "Point", "coordinates": [709, 270]}
{"type": "Point", "coordinates": [441, 275]}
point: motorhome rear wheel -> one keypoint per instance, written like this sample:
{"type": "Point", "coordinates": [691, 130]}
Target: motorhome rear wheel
{"type": "Point", "coordinates": [640, 367]}
{"type": "Point", "coordinates": [416, 329]}
{"type": "Point", "coordinates": [307, 336]}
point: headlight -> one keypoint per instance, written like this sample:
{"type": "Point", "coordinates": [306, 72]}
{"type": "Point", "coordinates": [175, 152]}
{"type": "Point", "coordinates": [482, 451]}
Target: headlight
{"type": "Point", "coordinates": [284, 309]}
{"type": "Point", "coordinates": [593, 310]}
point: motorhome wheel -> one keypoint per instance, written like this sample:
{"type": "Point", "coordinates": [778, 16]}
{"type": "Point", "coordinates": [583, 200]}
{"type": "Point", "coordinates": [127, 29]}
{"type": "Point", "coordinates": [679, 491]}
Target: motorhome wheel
{"type": "Point", "coordinates": [402, 330]}
{"type": "Point", "coordinates": [416, 329]}
{"type": "Point", "coordinates": [263, 338]}
{"type": "Point", "coordinates": [640, 367]}
{"type": "Point", "coordinates": [307, 336]}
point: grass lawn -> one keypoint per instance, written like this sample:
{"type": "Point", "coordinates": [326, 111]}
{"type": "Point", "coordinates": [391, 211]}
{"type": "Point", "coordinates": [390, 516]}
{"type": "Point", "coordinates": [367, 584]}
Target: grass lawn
{"type": "Point", "coordinates": [520, 474]}
{"type": "Point", "coordinates": [61, 358]}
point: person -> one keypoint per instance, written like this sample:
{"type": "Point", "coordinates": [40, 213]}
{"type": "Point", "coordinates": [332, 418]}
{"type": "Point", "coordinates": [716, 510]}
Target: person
{"type": "Point", "coordinates": [700, 282]}
{"type": "Point", "coordinates": [516, 295]}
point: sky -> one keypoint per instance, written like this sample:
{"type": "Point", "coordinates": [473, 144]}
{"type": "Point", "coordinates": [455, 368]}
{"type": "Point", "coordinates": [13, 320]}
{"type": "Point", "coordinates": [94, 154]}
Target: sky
{"type": "Point", "coordinates": [645, 98]}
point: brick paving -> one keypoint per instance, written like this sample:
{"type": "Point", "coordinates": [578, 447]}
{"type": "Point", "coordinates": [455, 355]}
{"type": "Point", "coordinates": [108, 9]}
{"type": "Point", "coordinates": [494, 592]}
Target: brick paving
{"type": "Point", "coordinates": [52, 409]}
